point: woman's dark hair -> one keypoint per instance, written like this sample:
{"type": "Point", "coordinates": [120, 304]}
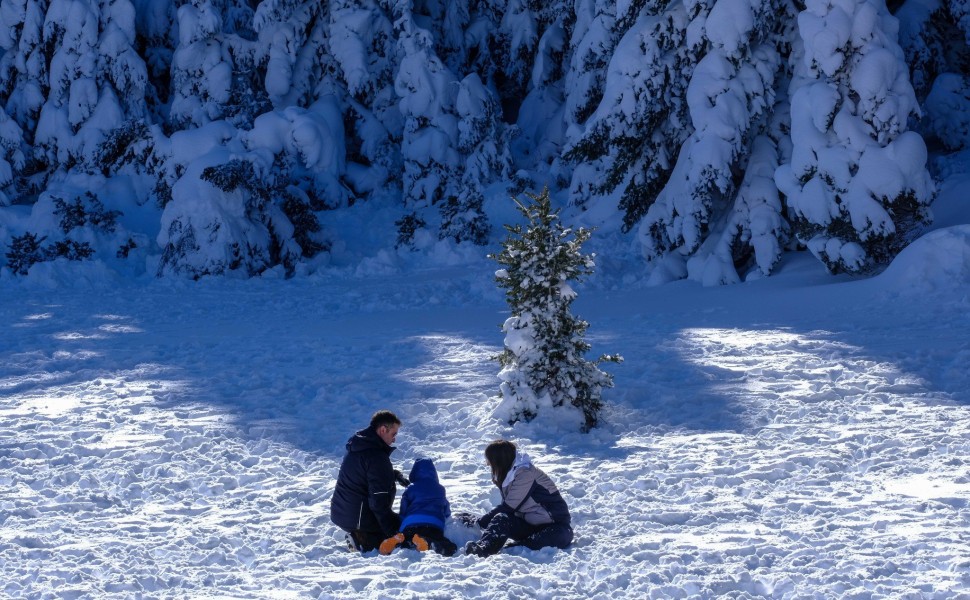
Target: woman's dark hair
{"type": "Point", "coordinates": [500, 455]}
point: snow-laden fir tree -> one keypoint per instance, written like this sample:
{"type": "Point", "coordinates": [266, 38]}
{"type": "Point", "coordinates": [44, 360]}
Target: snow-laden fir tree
{"type": "Point", "coordinates": [947, 112]}
{"type": "Point", "coordinates": [528, 50]}
{"type": "Point", "coordinates": [631, 140]}
{"type": "Point", "coordinates": [225, 220]}
{"type": "Point", "coordinates": [446, 21]}
{"type": "Point", "coordinates": [294, 42]}
{"type": "Point", "coordinates": [156, 34]}
{"type": "Point", "coordinates": [364, 47]}
{"type": "Point", "coordinates": [24, 81]}
{"type": "Point", "coordinates": [593, 40]}
{"type": "Point", "coordinates": [480, 47]}
{"type": "Point", "coordinates": [856, 185]}
{"type": "Point", "coordinates": [429, 148]}
{"type": "Point", "coordinates": [935, 37]}
{"type": "Point", "coordinates": [302, 79]}
{"type": "Point", "coordinates": [215, 73]}
{"type": "Point", "coordinates": [68, 74]}
{"type": "Point", "coordinates": [926, 27]}
{"type": "Point", "coordinates": [337, 55]}
{"type": "Point", "coordinates": [201, 67]}
{"type": "Point", "coordinates": [247, 201]}
{"type": "Point", "coordinates": [12, 158]}
{"type": "Point", "coordinates": [514, 46]}
{"type": "Point", "coordinates": [544, 364]}
{"type": "Point", "coordinates": [93, 82]}
{"type": "Point", "coordinates": [483, 142]}
{"type": "Point", "coordinates": [541, 126]}
{"type": "Point", "coordinates": [698, 222]}
{"type": "Point", "coordinates": [755, 231]}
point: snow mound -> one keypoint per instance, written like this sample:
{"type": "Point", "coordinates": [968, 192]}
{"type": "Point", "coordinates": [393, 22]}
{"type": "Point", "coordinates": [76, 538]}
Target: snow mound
{"type": "Point", "coordinates": [938, 261]}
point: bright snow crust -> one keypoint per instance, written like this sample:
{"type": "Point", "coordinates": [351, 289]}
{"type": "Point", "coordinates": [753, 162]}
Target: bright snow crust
{"type": "Point", "coordinates": [799, 436]}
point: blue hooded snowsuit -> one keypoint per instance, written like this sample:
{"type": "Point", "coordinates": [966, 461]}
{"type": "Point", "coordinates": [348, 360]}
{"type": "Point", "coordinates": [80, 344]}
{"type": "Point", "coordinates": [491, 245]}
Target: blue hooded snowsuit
{"type": "Point", "coordinates": [424, 501]}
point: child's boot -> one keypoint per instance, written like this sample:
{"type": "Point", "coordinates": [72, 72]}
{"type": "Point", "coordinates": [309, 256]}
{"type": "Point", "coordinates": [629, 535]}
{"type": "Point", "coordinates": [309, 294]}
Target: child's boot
{"type": "Point", "coordinates": [391, 543]}
{"type": "Point", "coordinates": [420, 543]}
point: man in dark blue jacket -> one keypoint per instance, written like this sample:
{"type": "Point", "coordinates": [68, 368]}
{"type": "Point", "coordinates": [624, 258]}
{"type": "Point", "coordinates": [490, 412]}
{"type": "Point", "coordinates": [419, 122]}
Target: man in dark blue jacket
{"type": "Point", "coordinates": [363, 499]}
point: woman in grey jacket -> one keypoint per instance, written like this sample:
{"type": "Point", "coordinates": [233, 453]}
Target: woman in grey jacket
{"type": "Point", "coordinates": [532, 512]}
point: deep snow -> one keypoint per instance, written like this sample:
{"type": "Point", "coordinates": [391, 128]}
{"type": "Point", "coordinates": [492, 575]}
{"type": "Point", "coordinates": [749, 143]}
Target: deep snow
{"type": "Point", "coordinates": [796, 436]}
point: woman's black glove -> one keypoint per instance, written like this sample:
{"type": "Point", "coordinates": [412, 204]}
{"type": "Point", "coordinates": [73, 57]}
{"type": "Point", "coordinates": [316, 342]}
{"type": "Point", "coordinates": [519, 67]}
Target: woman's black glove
{"type": "Point", "coordinates": [466, 519]}
{"type": "Point", "coordinates": [399, 476]}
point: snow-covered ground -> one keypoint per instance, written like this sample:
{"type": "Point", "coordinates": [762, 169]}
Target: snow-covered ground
{"type": "Point", "coordinates": [798, 436]}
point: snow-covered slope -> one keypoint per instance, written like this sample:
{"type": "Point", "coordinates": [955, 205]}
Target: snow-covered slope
{"type": "Point", "coordinates": [798, 436]}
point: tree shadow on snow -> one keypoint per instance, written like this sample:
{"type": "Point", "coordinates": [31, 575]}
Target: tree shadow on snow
{"type": "Point", "coordinates": [311, 381]}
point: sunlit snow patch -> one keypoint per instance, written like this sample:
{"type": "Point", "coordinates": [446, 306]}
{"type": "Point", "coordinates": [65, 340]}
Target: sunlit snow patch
{"type": "Point", "coordinates": [926, 487]}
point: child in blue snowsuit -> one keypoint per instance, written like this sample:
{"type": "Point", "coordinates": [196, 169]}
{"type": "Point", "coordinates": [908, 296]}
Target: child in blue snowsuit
{"type": "Point", "coordinates": [424, 508]}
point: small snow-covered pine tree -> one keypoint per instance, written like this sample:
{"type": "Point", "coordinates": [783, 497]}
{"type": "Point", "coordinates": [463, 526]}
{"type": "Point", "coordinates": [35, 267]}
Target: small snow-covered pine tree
{"type": "Point", "coordinates": [543, 361]}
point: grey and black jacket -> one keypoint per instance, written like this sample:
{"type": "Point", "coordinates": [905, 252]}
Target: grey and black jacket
{"type": "Point", "coordinates": [529, 494]}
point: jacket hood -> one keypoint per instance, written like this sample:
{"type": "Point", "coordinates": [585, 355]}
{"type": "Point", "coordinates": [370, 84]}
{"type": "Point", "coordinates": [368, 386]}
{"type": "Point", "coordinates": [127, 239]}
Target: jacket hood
{"type": "Point", "coordinates": [367, 439]}
{"type": "Point", "coordinates": [423, 470]}
{"type": "Point", "coordinates": [522, 461]}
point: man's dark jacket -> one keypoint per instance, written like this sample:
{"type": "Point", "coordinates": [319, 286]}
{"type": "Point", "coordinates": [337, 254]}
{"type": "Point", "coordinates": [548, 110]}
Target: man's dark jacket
{"type": "Point", "coordinates": [365, 491]}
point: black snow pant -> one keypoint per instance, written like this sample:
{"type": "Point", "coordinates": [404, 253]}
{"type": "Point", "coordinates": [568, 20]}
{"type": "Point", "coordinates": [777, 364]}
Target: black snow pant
{"type": "Point", "coordinates": [366, 540]}
{"type": "Point", "coordinates": [503, 526]}
{"type": "Point", "coordinates": [434, 536]}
